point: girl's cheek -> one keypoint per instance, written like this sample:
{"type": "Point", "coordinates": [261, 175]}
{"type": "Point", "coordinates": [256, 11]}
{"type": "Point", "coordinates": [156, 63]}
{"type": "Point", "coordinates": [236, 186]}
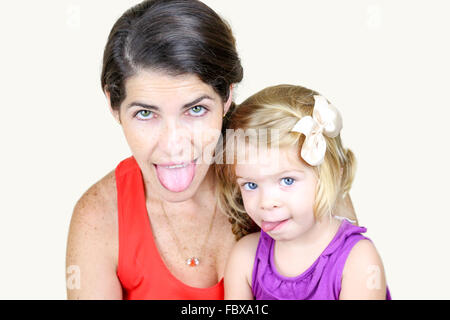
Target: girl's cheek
{"type": "Point", "coordinates": [250, 205]}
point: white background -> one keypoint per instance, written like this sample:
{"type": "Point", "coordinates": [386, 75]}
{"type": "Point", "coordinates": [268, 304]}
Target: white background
{"type": "Point", "coordinates": [385, 64]}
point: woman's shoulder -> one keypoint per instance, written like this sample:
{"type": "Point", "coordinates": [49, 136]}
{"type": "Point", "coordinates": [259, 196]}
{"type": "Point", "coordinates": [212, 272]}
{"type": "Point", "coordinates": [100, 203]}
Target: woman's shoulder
{"type": "Point", "coordinates": [92, 243]}
{"type": "Point", "coordinates": [94, 219]}
{"type": "Point", "coordinates": [99, 202]}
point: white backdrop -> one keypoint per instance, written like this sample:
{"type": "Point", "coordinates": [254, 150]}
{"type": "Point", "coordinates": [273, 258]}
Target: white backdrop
{"type": "Point", "coordinates": [383, 63]}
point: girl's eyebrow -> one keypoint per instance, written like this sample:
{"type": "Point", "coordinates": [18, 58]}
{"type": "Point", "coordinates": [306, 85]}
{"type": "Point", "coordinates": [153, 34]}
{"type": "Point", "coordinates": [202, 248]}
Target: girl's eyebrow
{"type": "Point", "coordinates": [155, 108]}
{"type": "Point", "coordinates": [293, 170]}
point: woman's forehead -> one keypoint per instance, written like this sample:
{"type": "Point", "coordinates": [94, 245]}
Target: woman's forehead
{"type": "Point", "coordinates": [161, 87]}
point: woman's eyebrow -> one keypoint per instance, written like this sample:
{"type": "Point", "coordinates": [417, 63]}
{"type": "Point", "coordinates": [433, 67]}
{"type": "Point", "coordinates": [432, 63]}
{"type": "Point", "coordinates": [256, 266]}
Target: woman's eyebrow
{"type": "Point", "coordinates": [155, 108]}
{"type": "Point", "coordinates": [193, 103]}
{"type": "Point", "coordinates": [142, 105]}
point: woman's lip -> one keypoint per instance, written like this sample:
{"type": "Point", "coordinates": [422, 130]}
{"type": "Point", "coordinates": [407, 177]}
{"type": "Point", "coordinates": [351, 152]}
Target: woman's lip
{"type": "Point", "coordinates": [171, 164]}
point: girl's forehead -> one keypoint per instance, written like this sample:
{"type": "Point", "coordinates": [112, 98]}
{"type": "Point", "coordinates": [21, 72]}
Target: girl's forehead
{"type": "Point", "coordinates": [268, 161]}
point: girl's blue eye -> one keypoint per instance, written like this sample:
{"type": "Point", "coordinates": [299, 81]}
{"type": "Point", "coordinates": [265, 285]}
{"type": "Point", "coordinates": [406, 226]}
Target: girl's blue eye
{"type": "Point", "coordinates": [250, 185]}
{"type": "Point", "coordinates": [145, 114]}
{"type": "Point", "coordinates": [288, 181]}
{"type": "Point", "coordinates": [197, 111]}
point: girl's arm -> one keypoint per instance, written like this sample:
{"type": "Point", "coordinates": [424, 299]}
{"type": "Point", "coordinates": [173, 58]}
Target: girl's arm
{"type": "Point", "coordinates": [238, 271]}
{"type": "Point", "coordinates": [363, 277]}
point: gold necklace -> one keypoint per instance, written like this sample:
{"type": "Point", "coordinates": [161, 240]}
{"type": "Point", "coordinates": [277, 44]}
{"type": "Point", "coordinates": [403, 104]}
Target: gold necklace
{"type": "Point", "coordinates": [190, 261]}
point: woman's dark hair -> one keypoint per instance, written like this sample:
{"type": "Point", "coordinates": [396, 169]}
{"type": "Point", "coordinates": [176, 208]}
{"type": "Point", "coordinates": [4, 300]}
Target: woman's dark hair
{"type": "Point", "coordinates": [174, 36]}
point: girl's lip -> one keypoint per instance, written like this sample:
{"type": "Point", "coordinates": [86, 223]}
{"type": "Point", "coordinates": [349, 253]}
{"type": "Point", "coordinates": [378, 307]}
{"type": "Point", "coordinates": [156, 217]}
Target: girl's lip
{"type": "Point", "coordinates": [273, 225]}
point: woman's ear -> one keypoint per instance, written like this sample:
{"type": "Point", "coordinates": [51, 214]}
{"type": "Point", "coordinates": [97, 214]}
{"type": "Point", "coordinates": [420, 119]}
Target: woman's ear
{"type": "Point", "coordinates": [115, 113]}
{"type": "Point", "coordinates": [229, 101]}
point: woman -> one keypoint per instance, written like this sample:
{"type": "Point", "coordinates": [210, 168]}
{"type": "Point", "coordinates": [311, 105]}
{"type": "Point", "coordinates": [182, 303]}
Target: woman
{"type": "Point", "coordinates": [168, 72]}
{"type": "Point", "coordinates": [150, 229]}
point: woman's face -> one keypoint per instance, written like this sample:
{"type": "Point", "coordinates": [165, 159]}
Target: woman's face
{"type": "Point", "coordinates": [172, 125]}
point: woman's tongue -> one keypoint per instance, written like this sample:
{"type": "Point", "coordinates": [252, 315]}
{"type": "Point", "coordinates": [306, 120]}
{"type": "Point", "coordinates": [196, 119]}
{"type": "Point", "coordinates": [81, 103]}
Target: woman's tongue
{"type": "Point", "coordinates": [176, 179]}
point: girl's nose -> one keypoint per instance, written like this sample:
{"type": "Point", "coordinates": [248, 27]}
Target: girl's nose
{"type": "Point", "coordinates": [269, 202]}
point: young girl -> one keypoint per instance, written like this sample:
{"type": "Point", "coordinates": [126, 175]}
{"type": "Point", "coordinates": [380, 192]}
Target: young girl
{"type": "Point", "coordinates": [289, 182]}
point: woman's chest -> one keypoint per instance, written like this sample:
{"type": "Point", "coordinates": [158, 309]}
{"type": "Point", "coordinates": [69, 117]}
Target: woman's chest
{"type": "Point", "coordinates": [193, 255]}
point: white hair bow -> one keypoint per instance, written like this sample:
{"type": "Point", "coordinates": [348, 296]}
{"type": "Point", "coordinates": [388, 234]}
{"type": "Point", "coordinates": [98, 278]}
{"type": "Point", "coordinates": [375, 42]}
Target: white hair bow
{"type": "Point", "coordinates": [326, 120]}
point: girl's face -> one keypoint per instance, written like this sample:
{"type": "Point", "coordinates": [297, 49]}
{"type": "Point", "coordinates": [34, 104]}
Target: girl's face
{"type": "Point", "coordinates": [278, 192]}
{"type": "Point", "coordinates": [172, 125]}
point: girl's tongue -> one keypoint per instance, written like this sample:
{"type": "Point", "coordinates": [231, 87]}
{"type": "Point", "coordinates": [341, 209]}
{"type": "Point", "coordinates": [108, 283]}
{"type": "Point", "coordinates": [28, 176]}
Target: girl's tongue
{"type": "Point", "coordinates": [269, 226]}
{"type": "Point", "coordinates": [176, 179]}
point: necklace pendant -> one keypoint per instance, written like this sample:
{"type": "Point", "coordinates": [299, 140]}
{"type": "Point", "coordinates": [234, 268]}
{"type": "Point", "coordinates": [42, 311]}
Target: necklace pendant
{"type": "Point", "coordinates": [192, 262]}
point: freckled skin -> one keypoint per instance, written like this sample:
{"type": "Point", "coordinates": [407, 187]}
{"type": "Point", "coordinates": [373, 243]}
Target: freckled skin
{"type": "Point", "coordinates": [171, 133]}
{"type": "Point", "coordinates": [168, 136]}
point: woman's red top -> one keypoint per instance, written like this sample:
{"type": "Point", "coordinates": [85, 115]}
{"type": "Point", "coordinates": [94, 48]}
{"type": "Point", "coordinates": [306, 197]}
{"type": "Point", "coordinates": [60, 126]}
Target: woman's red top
{"type": "Point", "coordinates": [141, 270]}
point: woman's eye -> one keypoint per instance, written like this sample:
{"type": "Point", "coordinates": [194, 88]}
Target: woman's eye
{"type": "Point", "coordinates": [197, 111]}
{"type": "Point", "coordinates": [287, 181]}
{"type": "Point", "coordinates": [250, 186]}
{"type": "Point", "coordinates": [145, 114]}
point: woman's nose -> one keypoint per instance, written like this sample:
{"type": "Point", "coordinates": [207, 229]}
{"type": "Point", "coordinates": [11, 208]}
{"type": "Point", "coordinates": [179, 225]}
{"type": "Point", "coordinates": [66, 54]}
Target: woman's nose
{"type": "Point", "coordinates": [174, 139]}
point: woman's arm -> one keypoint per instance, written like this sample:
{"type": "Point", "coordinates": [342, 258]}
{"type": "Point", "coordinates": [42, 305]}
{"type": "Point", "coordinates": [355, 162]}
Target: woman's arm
{"type": "Point", "coordinates": [363, 277]}
{"type": "Point", "coordinates": [92, 249]}
{"type": "Point", "coordinates": [238, 271]}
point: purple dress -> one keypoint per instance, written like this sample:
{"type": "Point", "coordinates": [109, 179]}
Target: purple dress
{"type": "Point", "coordinates": [321, 281]}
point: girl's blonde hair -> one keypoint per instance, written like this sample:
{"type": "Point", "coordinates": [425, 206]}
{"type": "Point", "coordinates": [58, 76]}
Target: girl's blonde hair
{"type": "Point", "coordinates": [279, 108]}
